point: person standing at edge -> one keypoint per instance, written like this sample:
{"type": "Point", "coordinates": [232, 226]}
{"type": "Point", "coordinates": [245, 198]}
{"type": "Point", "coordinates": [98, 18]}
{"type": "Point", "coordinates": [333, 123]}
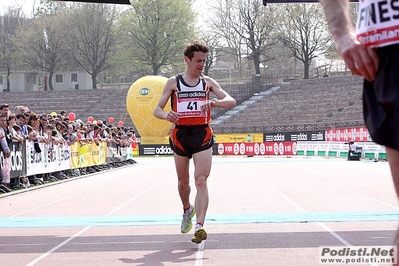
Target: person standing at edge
{"type": "Point", "coordinates": [369, 53]}
{"type": "Point", "coordinates": [192, 137]}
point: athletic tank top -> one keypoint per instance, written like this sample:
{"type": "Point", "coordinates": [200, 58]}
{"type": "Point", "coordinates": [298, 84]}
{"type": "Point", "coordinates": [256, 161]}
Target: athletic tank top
{"type": "Point", "coordinates": [378, 23]}
{"type": "Point", "coordinates": [187, 100]}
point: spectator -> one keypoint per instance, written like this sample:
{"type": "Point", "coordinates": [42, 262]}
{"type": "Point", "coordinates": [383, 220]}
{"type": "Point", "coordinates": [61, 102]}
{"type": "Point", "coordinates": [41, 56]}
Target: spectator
{"type": "Point", "coordinates": [19, 109]}
{"type": "Point", "coordinates": [96, 134]}
{"type": "Point", "coordinates": [33, 131]}
{"type": "Point", "coordinates": [70, 136]}
{"type": "Point", "coordinates": [57, 136]}
{"type": "Point", "coordinates": [63, 114]}
{"type": "Point", "coordinates": [43, 122]}
{"type": "Point", "coordinates": [20, 121]}
{"type": "Point", "coordinates": [5, 109]}
{"type": "Point", "coordinates": [14, 129]}
{"type": "Point", "coordinates": [5, 141]}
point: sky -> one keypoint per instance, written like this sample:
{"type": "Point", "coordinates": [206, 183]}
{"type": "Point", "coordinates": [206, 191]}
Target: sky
{"type": "Point", "coordinates": [27, 5]}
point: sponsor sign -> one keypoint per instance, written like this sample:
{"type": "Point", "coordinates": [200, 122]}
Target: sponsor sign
{"type": "Point", "coordinates": [162, 149]}
{"type": "Point", "coordinates": [246, 137]}
{"type": "Point", "coordinates": [50, 159]}
{"type": "Point", "coordinates": [295, 136]}
{"type": "Point", "coordinates": [258, 148]}
{"type": "Point", "coordinates": [357, 134]}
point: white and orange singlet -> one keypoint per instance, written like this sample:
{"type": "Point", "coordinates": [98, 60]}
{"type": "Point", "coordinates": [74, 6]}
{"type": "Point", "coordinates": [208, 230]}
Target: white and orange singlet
{"type": "Point", "coordinates": [187, 100]}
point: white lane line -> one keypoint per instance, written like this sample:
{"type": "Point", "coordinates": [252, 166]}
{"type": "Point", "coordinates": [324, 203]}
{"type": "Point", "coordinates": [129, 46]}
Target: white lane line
{"type": "Point", "coordinates": [355, 193]}
{"type": "Point", "coordinates": [329, 230]}
{"type": "Point", "coordinates": [350, 191]}
{"type": "Point", "coordinates": [57, 247]}
{"type": "Point", "coordinates": [88, 227]}
{"type": "Point", "coordinates": [67, 197]}
{"type": "Point", "coordinates": [200, 254]}
{"type": "Point", "coordinates": [201, 247]}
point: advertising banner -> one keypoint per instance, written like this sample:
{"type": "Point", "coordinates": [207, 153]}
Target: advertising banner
{"type": "Point", "coordinates": [340, 149]}
{"type": "Point", "coordinates": [258, 148]}
{"type": "Point", "coordinates": [155, 149]}
{"type": "Point", "coordinates": [52, 158]}
{"type": "Point", "coordinates": [88, 154]}
{"type": "Point", "coordinates": [114, 153]}
{"type": "Point", "coordinates": [250, 137]}
{"type": "Point", "coordinates": [358, 134]}
{"type": "Point", "coordinates": [294, 136]}
{"type": "Point", "coordinates": [307, 136]}
{"type": "Point", "coordinates": [15, 159]}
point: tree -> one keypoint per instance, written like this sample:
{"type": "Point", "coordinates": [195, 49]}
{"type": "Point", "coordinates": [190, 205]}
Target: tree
{"type": "Point", "coordinates": [9, 24]}
{"type": "Point", "coordinates": [155, 33]}
{"type": "Point", "coordinates": [302, 29]}
{"type": "Point", "coordinates": [91, 38]}
{"type": "Point", "coordinates": [247, 27]}
{"type": "Point", "coordinates": [42, 44]}
{"type": "Point", "coordinates": [212, 43]}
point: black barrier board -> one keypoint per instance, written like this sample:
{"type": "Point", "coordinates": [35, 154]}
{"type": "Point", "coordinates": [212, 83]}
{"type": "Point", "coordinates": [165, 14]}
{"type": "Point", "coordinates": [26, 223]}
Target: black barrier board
{"type": "Point", "coordinates": [153, 149]}
{"type": "Point", "coordinates": [276, 137]}
{"type": "Point", "coordinates": [294, 136]}
{"type": "Point", "coordinates": [307, 136]}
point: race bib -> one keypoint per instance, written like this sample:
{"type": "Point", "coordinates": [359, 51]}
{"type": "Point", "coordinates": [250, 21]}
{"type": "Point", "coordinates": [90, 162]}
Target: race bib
{"type": "Point", "coordinates": [378, 22]}
{"type": "Point", "coordinates": [189, 103]}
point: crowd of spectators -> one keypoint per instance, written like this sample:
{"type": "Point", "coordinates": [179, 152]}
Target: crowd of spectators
{"type": "Point", "coordinates": [22, 124]}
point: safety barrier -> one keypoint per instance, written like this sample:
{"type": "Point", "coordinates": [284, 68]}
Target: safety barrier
{"type": "Point", "coordinates": [26, 160]}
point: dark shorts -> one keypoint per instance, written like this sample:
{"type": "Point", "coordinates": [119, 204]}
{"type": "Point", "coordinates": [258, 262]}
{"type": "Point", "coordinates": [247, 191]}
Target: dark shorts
{"type": "Point", "coordinates": [187, 140]}
{"type": "Point", "coordinates": [381, 100]}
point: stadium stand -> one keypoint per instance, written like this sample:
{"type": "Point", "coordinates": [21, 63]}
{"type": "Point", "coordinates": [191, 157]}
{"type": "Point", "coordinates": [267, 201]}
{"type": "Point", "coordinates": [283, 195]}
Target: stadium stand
{"type": "Point", "coordinates": [319, 103]}
{"type": "Point", "coordinates": [303, 104]}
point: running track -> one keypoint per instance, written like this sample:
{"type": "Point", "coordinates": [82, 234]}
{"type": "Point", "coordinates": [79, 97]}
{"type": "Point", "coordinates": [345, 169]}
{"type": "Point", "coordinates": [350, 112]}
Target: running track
{"type": "Point", "coordinates": [263, 211]}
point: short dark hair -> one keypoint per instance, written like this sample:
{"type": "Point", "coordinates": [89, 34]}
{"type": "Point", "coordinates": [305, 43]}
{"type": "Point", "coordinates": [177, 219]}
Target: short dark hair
{"type": "Point", "coordinates": [195, 46]}
{"type": "Point", "coordinates": [4, 105]}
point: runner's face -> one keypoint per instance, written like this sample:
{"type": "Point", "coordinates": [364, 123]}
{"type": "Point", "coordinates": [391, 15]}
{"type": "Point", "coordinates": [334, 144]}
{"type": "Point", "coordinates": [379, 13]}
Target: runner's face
{"type": "Point", "coordinates": [196, 64]}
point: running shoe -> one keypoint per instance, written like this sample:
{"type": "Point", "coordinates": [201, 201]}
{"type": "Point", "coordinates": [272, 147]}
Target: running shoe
{"type": "Point", "coordinates": [199, 235]}
{"type": "Point", "coordinates": [186, 223]}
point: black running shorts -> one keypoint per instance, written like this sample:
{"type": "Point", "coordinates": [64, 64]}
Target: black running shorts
{"type": "Point", "coordinates": [381, 99]}
{"type": "Point", "coordinates": [187, 140]}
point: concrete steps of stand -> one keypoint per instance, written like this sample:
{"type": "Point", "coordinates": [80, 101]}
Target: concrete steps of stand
{"type": "Point", "coordinates": [231, 113]}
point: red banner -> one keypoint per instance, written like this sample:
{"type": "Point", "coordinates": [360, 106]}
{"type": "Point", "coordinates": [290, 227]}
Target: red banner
{"type": "Point", "coordinates": [258, 148]}
{"type": "Point", "coordinates": [358, 134]}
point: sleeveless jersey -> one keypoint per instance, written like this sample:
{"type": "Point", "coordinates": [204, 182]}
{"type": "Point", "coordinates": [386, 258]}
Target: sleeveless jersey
{"type": "Point", "coordinates": [187, 100]}
{"type": "Point", "coordinates": [378, 22]}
